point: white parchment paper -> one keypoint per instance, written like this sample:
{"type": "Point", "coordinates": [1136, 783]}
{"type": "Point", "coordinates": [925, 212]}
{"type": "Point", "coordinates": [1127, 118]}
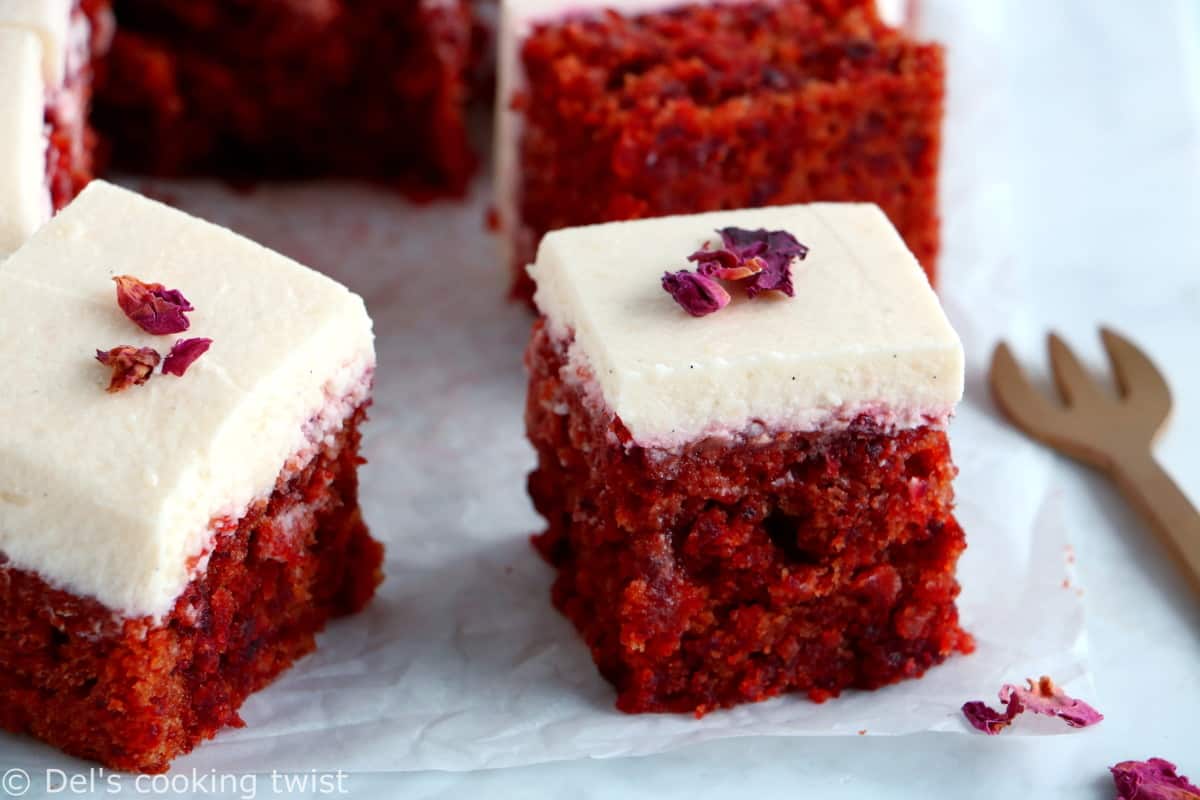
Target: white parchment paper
{"type": "Point", "coordinates": [461, 662]}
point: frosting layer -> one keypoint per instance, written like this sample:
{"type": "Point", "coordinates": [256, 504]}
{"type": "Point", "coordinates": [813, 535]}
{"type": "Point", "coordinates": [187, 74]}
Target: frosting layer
{"type": "Point", "coordinates": [864, 334]}
{"type": "Point", "coordinates": [50, 21]}
{"type": "Point", "coordinates": [24, 199]}
{"type": "Point", "coordinates": [112, 495]}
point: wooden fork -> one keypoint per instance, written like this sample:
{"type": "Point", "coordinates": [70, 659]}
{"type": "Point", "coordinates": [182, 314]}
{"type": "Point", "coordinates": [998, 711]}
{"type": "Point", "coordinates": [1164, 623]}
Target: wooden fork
{"type": "Point", "coordinates": [1114, 434]}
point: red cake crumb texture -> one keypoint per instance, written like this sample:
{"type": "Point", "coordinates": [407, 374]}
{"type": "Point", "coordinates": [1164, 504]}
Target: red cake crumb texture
{"type": "Point", "coordinates": [133, 694]}
{"type": "Point", "coordinates": [731, 572]}
{"type": "Point", "coordinates": [715, 106]}
{"type": "Point", "coordinates": [71, 142]}
{"type": "Point", "coordinates": [293, 88]}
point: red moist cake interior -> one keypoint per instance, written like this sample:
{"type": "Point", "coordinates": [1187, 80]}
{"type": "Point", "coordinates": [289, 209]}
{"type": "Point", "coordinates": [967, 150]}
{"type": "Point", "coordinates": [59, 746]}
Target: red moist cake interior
{"type": "Point", "coordinates": [727, 106]}
{"type": "Point", "coordinates": [729, 573]}
{"type": "Point", "coordinates": [71, 142]}
{"type": "Point", "coordinates": [293, 89]}
{"type": "Point", "coordinates": [133, 694]}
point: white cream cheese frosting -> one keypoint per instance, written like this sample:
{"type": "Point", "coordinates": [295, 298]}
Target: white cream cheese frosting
{"type": "Point", "coordinates": [111, 495]}
{"type": "Point", "coordinates": [50, 20]}
{"type": "Point", "coordinates": [864, 334]}
{"type": "Point", "coordinates": [517, 20]}
{"type": "Point", "coordinates": [24, 198]}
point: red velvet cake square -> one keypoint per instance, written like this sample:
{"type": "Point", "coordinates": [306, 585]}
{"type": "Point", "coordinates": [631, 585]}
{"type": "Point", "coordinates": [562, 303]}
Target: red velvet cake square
{"type": "Point", "coordinates": [661, 107]}
{"type": "Point", "coordinates": [758, 500]}
{"type": "Point", "coordinates": [172, 544]}
{"type": "Point", "coordinates": [298, 88]}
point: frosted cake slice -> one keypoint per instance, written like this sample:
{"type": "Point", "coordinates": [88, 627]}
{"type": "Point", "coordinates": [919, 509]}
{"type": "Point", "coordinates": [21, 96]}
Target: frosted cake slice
{"type": "Point", "coordinates": [178, 475]}
{"type": "Point", "coordinates": [757, 500]}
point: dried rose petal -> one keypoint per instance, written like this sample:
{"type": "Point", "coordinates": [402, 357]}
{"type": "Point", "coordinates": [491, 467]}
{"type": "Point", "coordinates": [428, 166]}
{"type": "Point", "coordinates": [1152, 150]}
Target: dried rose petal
{"type": "Point", "coordinates": [183, 354]}
{"type": "Point", "coordinates": [1155, 779]}
{"type": "Point", "coordinates": [1042, 697]}
{"type": "Point", "coordinates": [726, 265]}
{"type": "Point", "coordinates": [131, 366]}
{"type": "Point", "coordinates": [697, 294]}
{"type": "Point", "coordinates": [153, 307]}
{"type": "Point", "coordinates": [744, 242]}
{"type": "Point", "coordinates": [985, 718]}
{"type": "Point", "coordinates": [776, 249]}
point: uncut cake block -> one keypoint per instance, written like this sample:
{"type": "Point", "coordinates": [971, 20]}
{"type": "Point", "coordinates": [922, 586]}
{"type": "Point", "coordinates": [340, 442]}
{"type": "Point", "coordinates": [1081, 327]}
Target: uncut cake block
{"type": "Point", "coordinates": [626, 109]}
{"type": "Point", "coordinates": [759, 500]}
{"type": "Point", "coordinates": [49, 50]}
{"type": "Point", "coordinates": [171, 548]}
{"type": "Point", "coordinates": [361, 88]}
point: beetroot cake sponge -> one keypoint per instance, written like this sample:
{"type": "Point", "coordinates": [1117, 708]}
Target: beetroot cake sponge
{"type": "Point", "coordinates": [362, 88]}
{"type": "Point", "coordinates": [757, 501]}
{"type": "Point", "coordinates": [48, 53]}
{"type": "Point", "coordinates": [171, 545]}
{"type": "Point", "coordinates": [622, 109]}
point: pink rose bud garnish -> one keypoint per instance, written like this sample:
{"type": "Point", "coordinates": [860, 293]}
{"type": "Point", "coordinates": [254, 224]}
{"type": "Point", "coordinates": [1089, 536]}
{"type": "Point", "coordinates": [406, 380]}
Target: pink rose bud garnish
{"type": "Point", "coordinates": [131, 366]}
{"type": "Point", "coordinates": [153, 307]}
{"type": "Point", "coordinates": [697, 294]}
{"type": "Point", "coordinates": [1155, 779]}
{"type": "Point", "coordinates": [183, 354]}
{"type": "Point", "coordinates": [1042, 697]}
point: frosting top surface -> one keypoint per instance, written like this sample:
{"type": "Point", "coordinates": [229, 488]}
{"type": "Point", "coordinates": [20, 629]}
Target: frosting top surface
{"type": "Point", "coordinates": [110, 495]}
{"type": "Point", "coordinates": [864, 334]}
{"type": "Point", "coordinates": [24, 200]}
